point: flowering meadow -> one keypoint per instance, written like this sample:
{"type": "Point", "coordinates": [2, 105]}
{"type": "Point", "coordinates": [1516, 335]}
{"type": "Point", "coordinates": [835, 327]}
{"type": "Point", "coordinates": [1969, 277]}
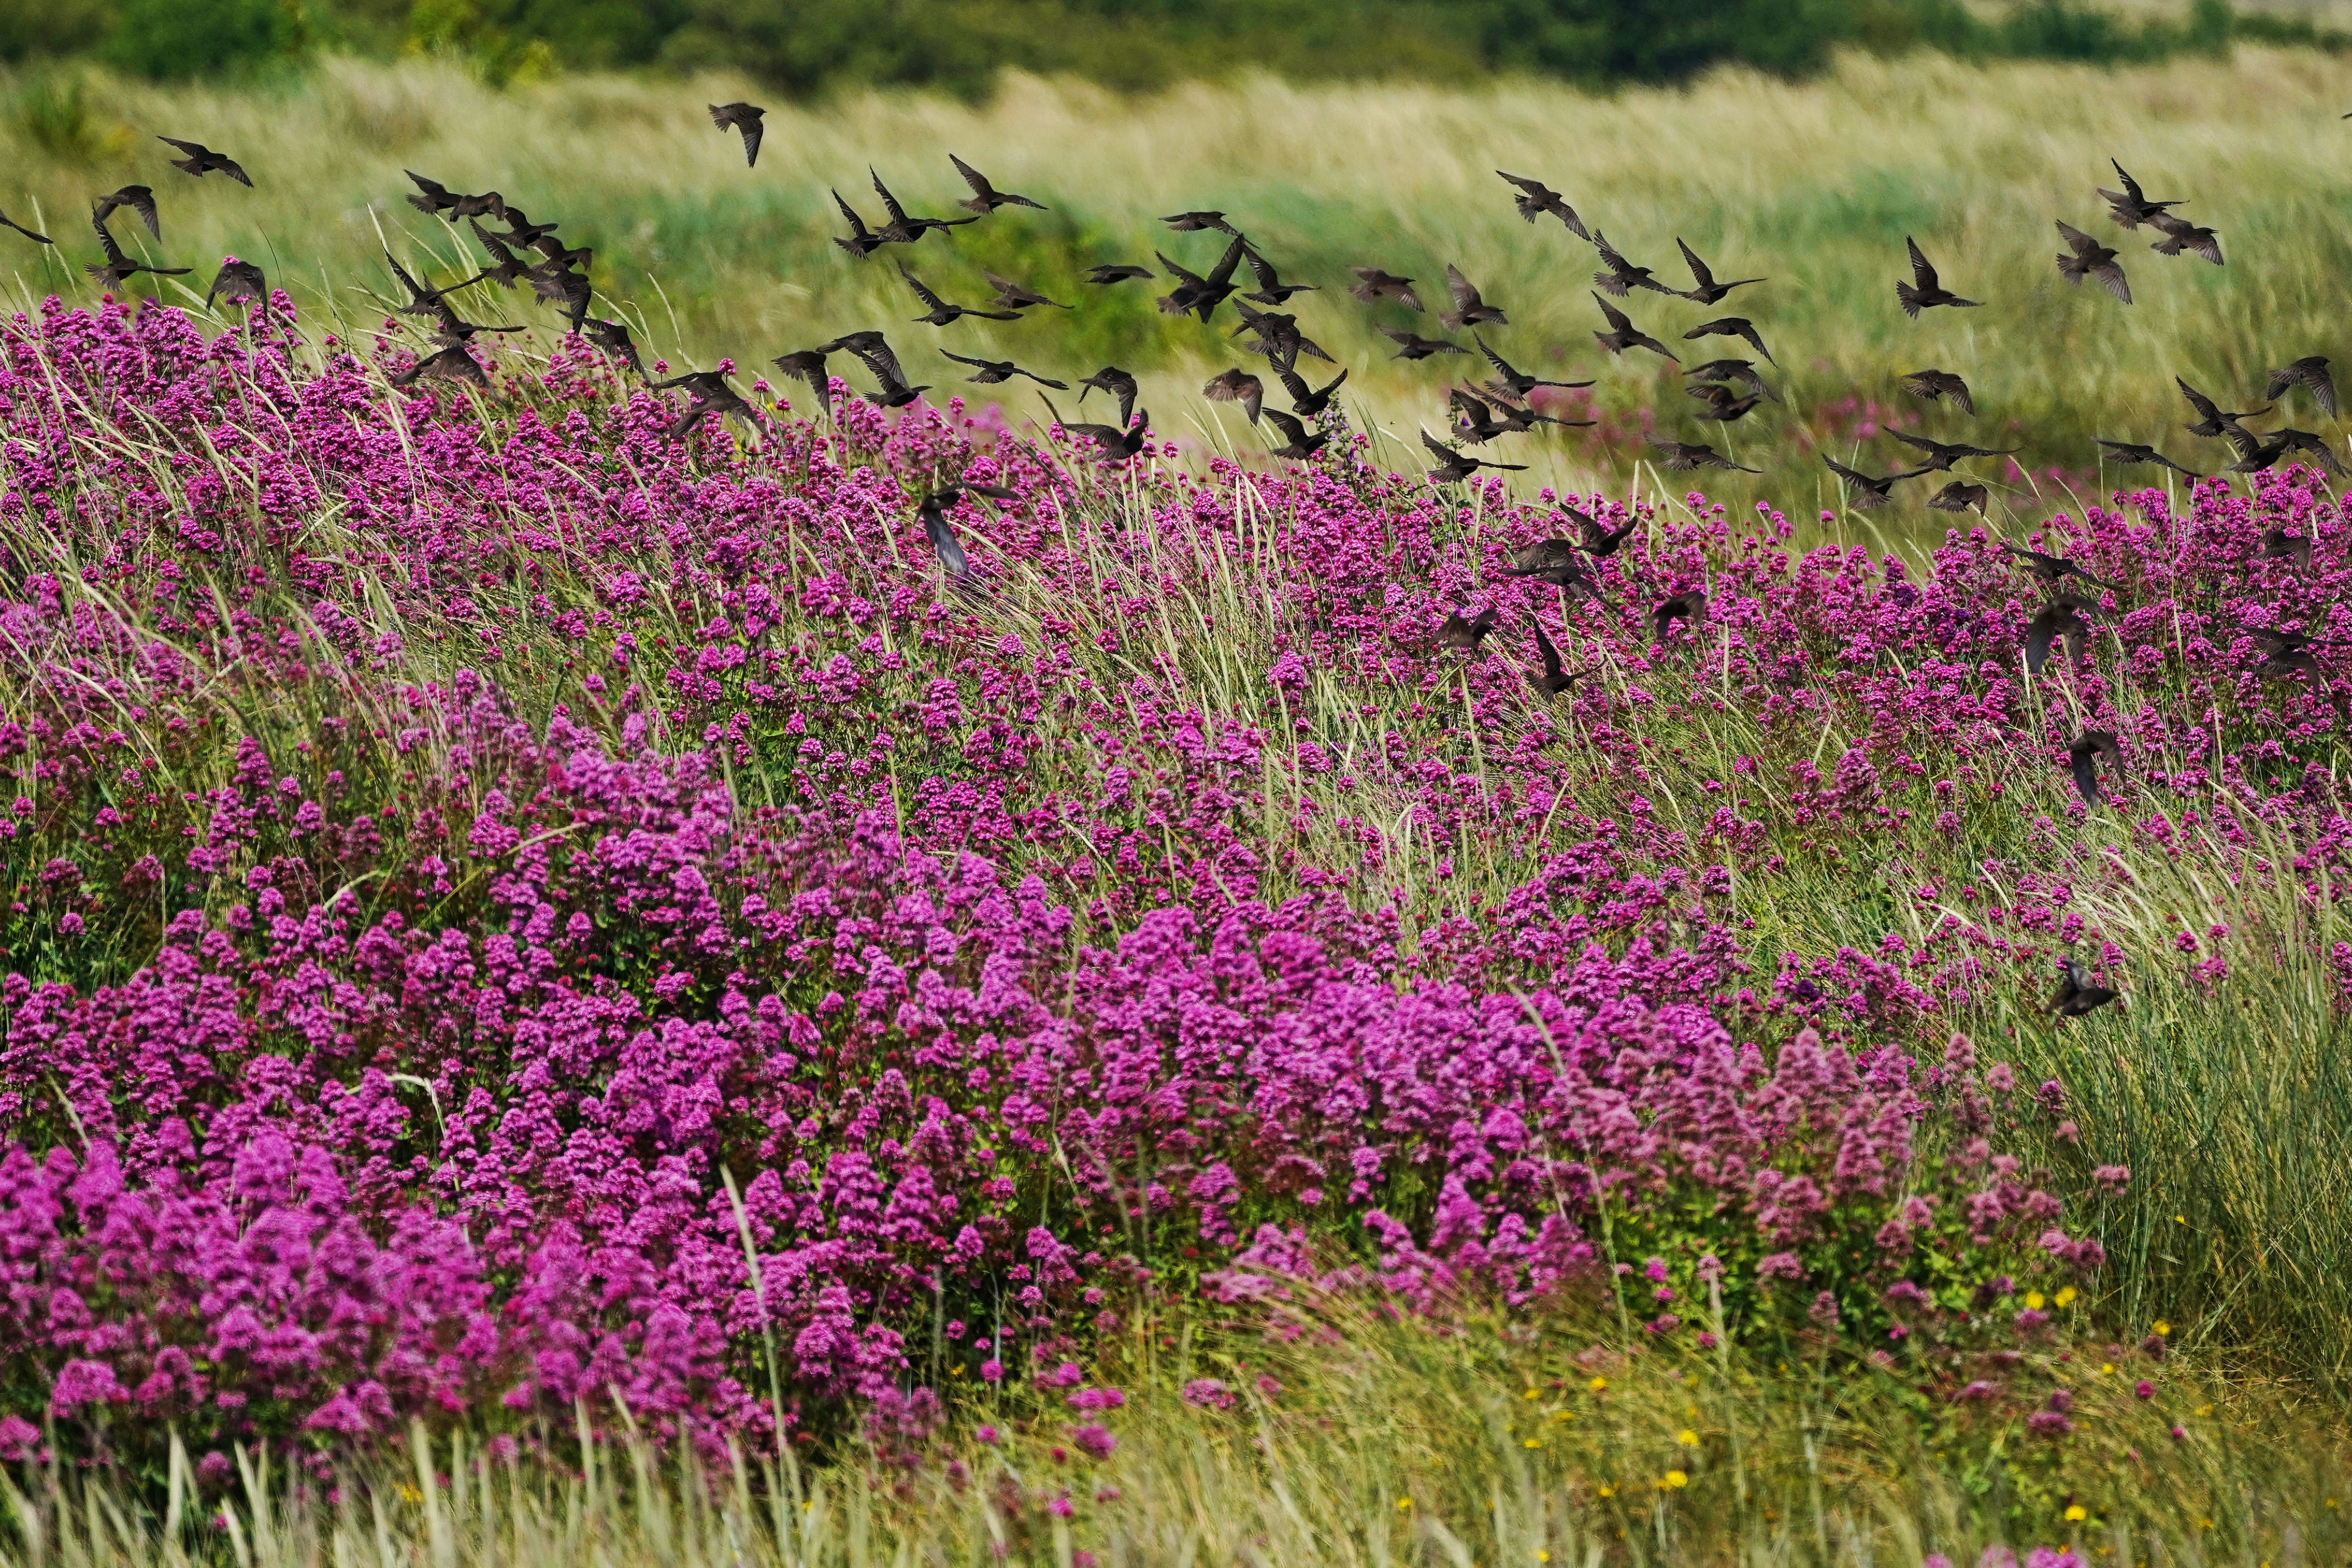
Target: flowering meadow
{"type": "Point", "coordinates": [517, 924]}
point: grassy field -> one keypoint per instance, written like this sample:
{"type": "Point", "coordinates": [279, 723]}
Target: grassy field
{"type": "Point", "coordinates": [1813, 185]}
{"type": "Point", "coordinates": [1364, 1443]}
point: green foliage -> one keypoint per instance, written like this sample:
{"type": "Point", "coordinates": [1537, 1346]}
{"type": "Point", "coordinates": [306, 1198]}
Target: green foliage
{"type": "Point", "coordinates": [961, 46]}
{"type": "Point", "coordinates": [30, 27]}
{"type": "Point", "coordinates": [172, 39]}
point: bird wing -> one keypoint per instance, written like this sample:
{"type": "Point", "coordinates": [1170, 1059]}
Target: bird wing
{"type": "Point", "coordinates": [2082, 243]}
{"type": "Point", "coordinates": [972, 177]}
{"type": "Point", "coordinates": [1923, 271]}
{"type": "Point", "coordinates": [2322, 386]}
{"type": "Point", "coordinates": [2205, 407]}
{"type": "Point", "coordinates": [1700, 272]}
{"type": "Point", "coordinates": [2111, 278]}
{"type": "Point", "coordinates": [1267, 277]}
{"type": "Point", "coordinates": [1609, 255]}
{"type": "Point", "coordinates": [2131, 187]}
{"type": "Point", "coordinates": [922, 292]}
{"type": "Point", "coordinates": [1227, 264]}
{"type": "Point", "coordinates": [1465, 296]}
{"type": "Point", "coordinates": [1175, 271]}
{"type": "Point", "coordinates": [1618, 320]}
{"type": "Point", "coordinates": [1550, 654]}
{"type": "Point", "coordinates": [897, 213]}
{"type": "Point", "coordinates": [1293, 431]}
{"type": "Point", "coordinates": [849, 214]}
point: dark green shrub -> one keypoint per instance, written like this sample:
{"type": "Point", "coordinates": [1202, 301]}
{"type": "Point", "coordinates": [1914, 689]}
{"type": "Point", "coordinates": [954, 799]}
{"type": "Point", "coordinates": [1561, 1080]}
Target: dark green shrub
{"type": "Point", "coordinates": [177, 38]}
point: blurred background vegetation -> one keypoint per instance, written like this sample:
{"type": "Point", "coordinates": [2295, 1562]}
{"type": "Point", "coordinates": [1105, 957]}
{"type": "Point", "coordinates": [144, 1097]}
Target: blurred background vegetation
{"type": "Point", "coordinates": [962, 45]}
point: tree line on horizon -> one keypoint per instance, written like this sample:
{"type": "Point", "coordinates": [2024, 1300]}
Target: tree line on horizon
{"type": "Point", "coordinates": [811, 47]}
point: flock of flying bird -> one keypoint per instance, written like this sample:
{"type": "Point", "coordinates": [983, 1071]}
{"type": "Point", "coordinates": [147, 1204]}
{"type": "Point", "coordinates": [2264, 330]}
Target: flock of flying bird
{"type": "Point", "coordinates": [1726, 389]}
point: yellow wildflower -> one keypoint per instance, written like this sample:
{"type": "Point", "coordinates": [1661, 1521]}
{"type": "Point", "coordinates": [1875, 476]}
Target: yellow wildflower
{"type": "Point", "coordinates": [2162, 1328]}
{"type": "Point", "coordinates": [2033, 1300]}
{"type": "Point", "coordinates": [1534, 1443]}
{"type": "Point", "coordinates": [2076, 1513]}
{"type": "Point", "coordinates": [1676, 1479]}
{"type": "Point", "coordinates": [1403, 1503]}
{"type": "Point", "coordinates": [1686, 1437]}
{"type": "Point", "coordinates": [1598, 1383]}
{"type": "Point", "coordinates": [2065, 1297]}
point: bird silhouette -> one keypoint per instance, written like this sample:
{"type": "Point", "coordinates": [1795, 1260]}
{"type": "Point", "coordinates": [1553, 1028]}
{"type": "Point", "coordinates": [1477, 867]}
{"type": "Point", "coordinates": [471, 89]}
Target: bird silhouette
{"type": "Point", "coordinates": [1932, 384]}
{"type": "Point", "coordinates": [1621, 276]}
{"type": "Point", "coordinates": [2311, 373]}
{"type": "Point", "coordinates": [202, 160]}
{"type": "Point", "coordinates": [1465, 634]}
{"type": "Point", "coordinates": [9, 223]}
{"type": "Point", "coordinates": [1688, 456]}
{"type": "Point", "coordinates": [1706, 290]}
{"type": "Point", "coordinates": [2085, 752]}
{"type": "Point", "coordinates": [1624, 335]}
{"type": "Point", "coordinates": [1116, 272]}
{"type": "Point", "coordinates": [2181, 236]}
{"type": "Point", "coordinates": [140, 199]}
{"type": "Point", "coordinates": [2076, 996]}
{"type": "Point", "coordinates": [119, 268]}
{"type": "Point", "coordinates": [1012, 295]}
{"type": "Point", "coordinates": [615, 340]}
{"type": "Point", "coordinates": [1116, 446]}
{"type": "Point", "coordinates": [2086, 257]}
{"type": "Point", "coordinates": [1469, 309]}
{"type": "Point", "coordinates": [2061, 621]}
{"type": "Point", "coordinates": [238, 283]}
{"type": "Point", "coordinates": [903, 228]}
{"type": "Point", "coordinates": [1536, 200]}
{"type": "Point", "coordinates": [1942, 455]}
{"type": "Point", "coordinates": [994, 370]}
{"type": "Point", "coordinates": [1298, 445]}
{"type": "Point", "coordinates": [2132, 452]}
{"type": "Point", "coordinates": [1925, 291]}
{"type": "Point", "coordinates": [1869, 492]}
{"type": "Point", "coordinates": [1554, 680]}
{"type": "Point", "coordinates": [1271, 290]}
{"type": "Point", "coordinates": [2131, 205]}
{"type": "Point", "coordinates": [1118, 383]}
{"type": "Point", "coordinates": [744, 118]}
{"type": "Point", "coordinates": [942, 313]}
{"type": "Point", "coordinates": [2212, 419]}
{"type": "Point", "coordinates": [1513, 383]}
{"type": "Point", "coordinates": [1412, 346]}
{"type": "Point", "coordinates": [1308, 401]}
{"type": "Point", "coordinates": [1690, 607]}
{"type": "Point", "coordinates": [1453, 467]}
{"type": "Point", "coordinates": [1732, 326]}
{"type": "Point", "coordinates": [1741, 370]}
{"type": "Point", "coordinates": [1372, 286]}
{"type": "Point", "coordinates": [986, 198]}
{"type": "Point", "coordinates": [1237, 386]}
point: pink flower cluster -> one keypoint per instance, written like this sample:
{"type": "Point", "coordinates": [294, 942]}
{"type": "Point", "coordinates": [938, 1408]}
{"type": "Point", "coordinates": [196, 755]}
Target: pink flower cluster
{"type": "Point", "coordinates": [445, 852]}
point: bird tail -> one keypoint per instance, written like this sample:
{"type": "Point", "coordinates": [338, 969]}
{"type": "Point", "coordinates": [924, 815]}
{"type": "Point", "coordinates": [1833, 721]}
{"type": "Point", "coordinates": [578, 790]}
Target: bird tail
{"type": "Point", "coordinates": [1908, 298]}
{"type": "Point", "coordinates": [1609, 283]}
{"type": "Point", "coordinates": [2073, 268]}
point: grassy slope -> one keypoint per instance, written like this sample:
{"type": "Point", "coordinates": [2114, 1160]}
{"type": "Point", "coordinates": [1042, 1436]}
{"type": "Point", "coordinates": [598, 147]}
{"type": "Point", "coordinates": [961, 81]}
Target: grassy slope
{"type": "Point", "coordinates": [1814, 184]}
